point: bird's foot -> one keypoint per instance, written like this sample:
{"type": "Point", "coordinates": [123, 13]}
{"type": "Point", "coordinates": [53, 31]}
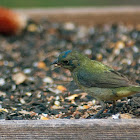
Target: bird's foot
{"type": "Point", "coordinates": [114, 107]}
{"type": "Point", "coordinates": [114, 112]}
{"type": "Point", "coordinates": [97, 115]}
{"type": "Point", "coordinates": [93, 117]}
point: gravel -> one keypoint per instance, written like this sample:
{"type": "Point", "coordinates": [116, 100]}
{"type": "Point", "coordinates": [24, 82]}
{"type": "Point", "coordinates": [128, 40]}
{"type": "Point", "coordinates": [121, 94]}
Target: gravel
{"type": "Point", "coordinates": [30, 89]}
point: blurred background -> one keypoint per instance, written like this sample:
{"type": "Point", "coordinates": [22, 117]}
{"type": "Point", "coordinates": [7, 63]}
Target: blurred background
{"type": "Point", "coordinates": [65, 3]}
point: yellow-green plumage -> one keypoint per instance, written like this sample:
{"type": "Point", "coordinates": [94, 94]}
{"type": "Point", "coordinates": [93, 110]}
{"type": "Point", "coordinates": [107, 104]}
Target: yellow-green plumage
{"type": "Point", "coordinates": [107, 86]}
{"type": "Point", "coordinates": [95, 78]}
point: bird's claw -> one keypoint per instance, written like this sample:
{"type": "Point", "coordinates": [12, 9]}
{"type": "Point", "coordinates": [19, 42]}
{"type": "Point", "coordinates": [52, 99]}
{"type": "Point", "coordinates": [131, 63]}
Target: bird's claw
{"type": "Point", "coordinates": [96, 116]}
{"type": "Point", "coordinates": [93, 117]}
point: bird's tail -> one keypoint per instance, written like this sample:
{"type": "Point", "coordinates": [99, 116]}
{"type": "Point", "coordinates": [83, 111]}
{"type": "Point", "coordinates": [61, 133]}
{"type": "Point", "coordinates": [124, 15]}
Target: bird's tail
{"type": "Point", "coordinates": [127, 91]}
{"type": "Point", "coordinates": [135, 89]}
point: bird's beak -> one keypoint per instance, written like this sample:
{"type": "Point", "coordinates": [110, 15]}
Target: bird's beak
{"type": "Point", "coordinates": [55, 64]}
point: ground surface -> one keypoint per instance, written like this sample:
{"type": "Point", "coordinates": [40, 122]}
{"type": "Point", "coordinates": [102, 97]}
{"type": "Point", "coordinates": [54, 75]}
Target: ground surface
{"type": "Point", "coordinates": [29, 89]}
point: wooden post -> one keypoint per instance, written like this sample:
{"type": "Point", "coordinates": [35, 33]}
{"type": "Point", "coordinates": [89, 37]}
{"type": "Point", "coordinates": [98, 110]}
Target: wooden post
{"type": "Point", "coordinates": [81, 129]}
{"type": "Point", "coordinates": [87, 15]}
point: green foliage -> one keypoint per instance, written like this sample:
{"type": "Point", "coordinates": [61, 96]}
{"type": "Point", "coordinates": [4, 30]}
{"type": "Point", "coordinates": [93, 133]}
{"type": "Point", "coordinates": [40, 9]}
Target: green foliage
{"type": "Point", "coordinates": [64, 3]}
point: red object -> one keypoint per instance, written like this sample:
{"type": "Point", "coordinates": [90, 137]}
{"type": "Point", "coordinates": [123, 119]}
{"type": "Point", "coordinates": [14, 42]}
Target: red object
{"type": "Point", "coordinates": [11, 22]}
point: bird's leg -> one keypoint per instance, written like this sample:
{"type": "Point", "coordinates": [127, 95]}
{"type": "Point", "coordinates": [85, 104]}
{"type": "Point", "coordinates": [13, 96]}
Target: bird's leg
{"type": "Point", "coordinates": [101, 111]}
{"type": "Point", "coordinates": [114, 107]}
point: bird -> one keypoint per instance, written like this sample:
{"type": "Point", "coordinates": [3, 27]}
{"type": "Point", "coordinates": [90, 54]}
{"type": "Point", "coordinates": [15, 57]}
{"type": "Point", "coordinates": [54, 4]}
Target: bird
{"type": "Point", "coordinates": [98, 80]}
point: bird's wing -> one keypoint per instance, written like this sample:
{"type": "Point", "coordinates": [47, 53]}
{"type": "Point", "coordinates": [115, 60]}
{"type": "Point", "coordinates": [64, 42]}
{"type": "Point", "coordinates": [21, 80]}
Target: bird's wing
{"type": "Point", "coordinates": [106, 79]}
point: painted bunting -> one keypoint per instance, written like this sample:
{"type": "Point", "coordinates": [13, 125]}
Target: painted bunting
{"type": "Point", "coordinates": [98, 80]}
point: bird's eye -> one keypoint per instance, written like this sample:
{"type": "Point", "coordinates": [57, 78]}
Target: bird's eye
{"type": "Point", "coordinates": [66, 62]}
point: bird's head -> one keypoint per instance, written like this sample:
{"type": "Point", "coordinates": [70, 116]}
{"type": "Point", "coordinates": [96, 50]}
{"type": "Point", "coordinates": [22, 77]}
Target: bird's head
{"type": "Point", "coordinates": [70, 60]}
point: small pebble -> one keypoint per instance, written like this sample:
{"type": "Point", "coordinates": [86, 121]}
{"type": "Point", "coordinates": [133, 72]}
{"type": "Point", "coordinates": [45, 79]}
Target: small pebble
{"type": "Point", "coordinates": [1, 56]}
{"type": "Point", "coordinates": [28, 94]}
{"type": "Point", "coordinates": [19, 78]}
{"type": "Point", "coordinates": [61, 88]}
{"type": "Point", "coordinates": [16, 70]}
{"type": "Point", "coordinates": [135, 49]}
{"type": "Point", "coordinates": [38, 95]}
{"type": "Point", "coordinates": [116, 116]}
{"type": "Point", "coordinates": [57, 98]}
{"type": "Point", "coordinates": [69, 26]}
{"type": "Point", "coordinates": [45, 115]}
{"type": "Point", "coordinates": [56, 91]}
{"type": "Point", "coordinates": [40, 65]}
{"type": "Point", "coordinates": [2, 82]}
{"type": "Point", "coordinates": [57, 103]}
{"type": "Point", "coordinates": [44, 118]}
{"type": "Point", "coordinates": [22, 101]}
{"type": "Point", "coordinates": [6, 63]}
{"type": "Point", "coordinates": [94, 102]}
{"type": "Point", "coordinates": [13, 87]}
{"type": "Point", "coordinates": [13, 108]}
{"type": "Point", "coordinates": [3, 109]}
{"type": "Point", "coordinates": [27, 71]}
{"type": "Point", "coordinates": [48, 80]}
{"type": "Point", "coordinates": [2, 94]}
{"type": "Point", "coordinates": [99, 57]}
{"type": "Point", "coordinates": [0, 106]}
{"type": "Point", "coordinates": [32, 28]}
{"type": "Point", "coordinates": [72, 97]}
{"type": "Point", "coordinates": [88, 52]}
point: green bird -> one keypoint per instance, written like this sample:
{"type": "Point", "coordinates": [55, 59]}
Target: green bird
{"type": "Point", "coordinates": [98, 80]}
